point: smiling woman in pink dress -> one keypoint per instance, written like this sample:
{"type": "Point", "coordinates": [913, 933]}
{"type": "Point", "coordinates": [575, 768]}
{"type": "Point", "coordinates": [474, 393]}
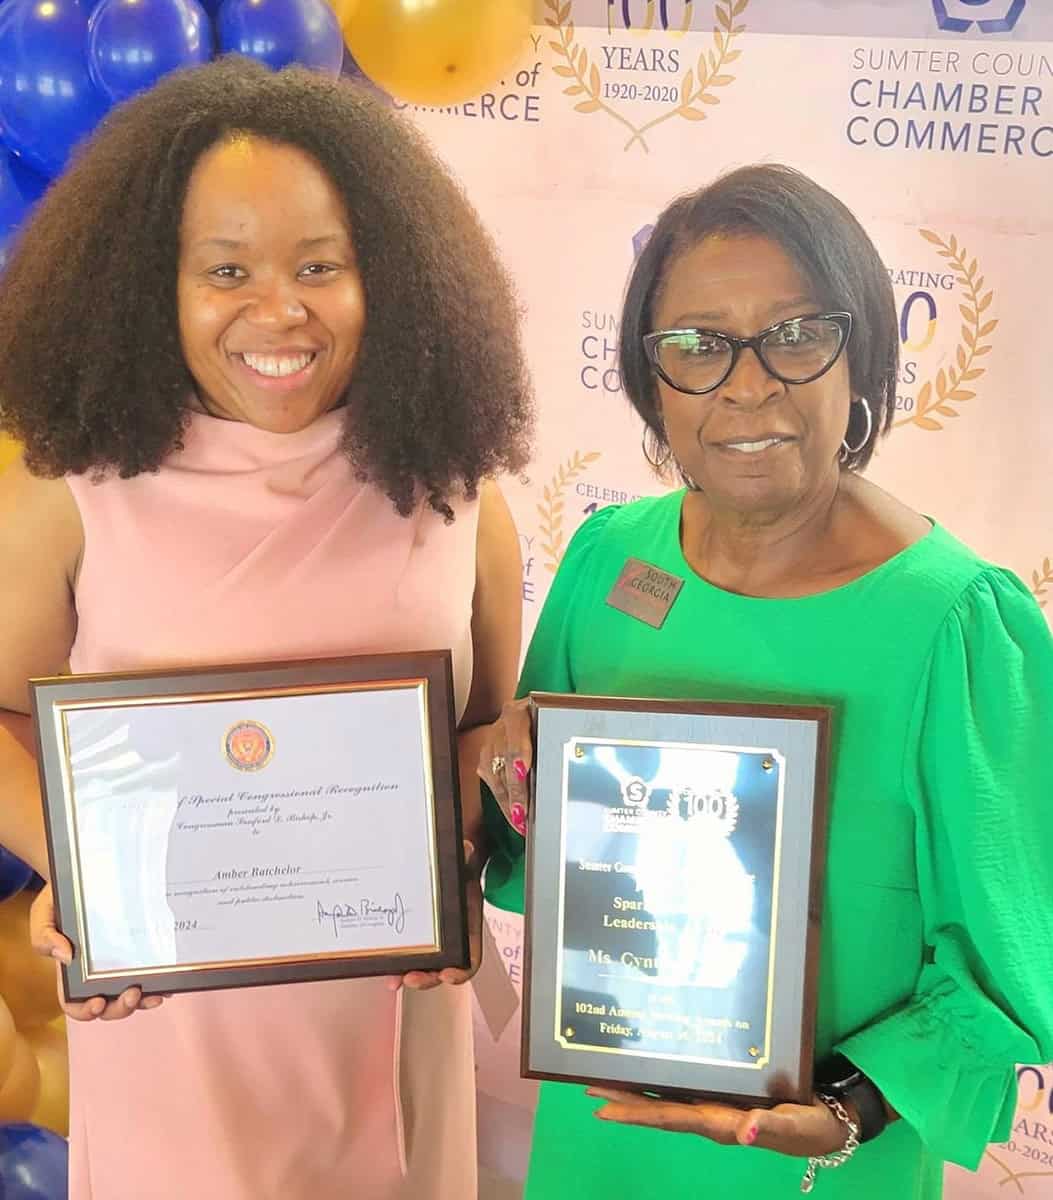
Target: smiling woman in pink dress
{"type": "Point", "coordinates": [264, 365]}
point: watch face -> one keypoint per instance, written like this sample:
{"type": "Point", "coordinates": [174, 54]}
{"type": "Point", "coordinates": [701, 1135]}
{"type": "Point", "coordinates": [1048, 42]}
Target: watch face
{"type": "Point", "coordinates": [836, 1074]}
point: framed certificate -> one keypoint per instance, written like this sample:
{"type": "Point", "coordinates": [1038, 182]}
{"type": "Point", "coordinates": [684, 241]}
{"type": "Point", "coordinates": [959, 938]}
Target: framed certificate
{"type": "Point", "coordinates": [674, 868]}
{"type": "Point", "coordinates": [254, 824]}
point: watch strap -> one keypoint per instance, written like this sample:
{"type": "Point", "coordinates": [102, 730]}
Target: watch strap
{"type": "Point", "coordinates": [838, 1077]}
{"type": "Point", "coordinates": [868, 1102]}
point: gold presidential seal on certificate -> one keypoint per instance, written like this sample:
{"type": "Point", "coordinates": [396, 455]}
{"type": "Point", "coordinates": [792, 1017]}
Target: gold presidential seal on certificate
{"type": "Point", "coordinates": [248, 746]}
{"type": "Point", "coordinates": [674, 861]}
{"type": "Point", "coordinates": [179, 868]}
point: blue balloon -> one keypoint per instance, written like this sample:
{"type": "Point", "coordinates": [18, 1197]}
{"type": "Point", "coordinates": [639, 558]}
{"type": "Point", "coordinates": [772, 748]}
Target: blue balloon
{"type": "Point", "coordinates": [47, 100]}
{"type": "Point", "coordinates": [34, 1162]}
{"type": "Point", "coordinates": [20, 189]}
{"type": "Point", "coordinates": [281, 32]}
{"type": "Point", "coordinates": [30, 184]}
{"type": "Point", "coordinates": [13, 208]}
{"type": "Point", "coordinates": [14, 873]}
{"type": "Point", "coordinates": [132, 43]}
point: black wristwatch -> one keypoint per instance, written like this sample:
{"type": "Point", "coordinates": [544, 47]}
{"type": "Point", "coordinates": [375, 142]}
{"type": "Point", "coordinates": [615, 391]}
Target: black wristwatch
{"type": "Point", "coordinates": [836, 1076]}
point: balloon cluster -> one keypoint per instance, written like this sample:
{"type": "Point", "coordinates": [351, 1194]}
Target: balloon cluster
{"type": "Point", "coordinates": [34, 1076]}
{"type": "Point", "coordinates": [64, 63]}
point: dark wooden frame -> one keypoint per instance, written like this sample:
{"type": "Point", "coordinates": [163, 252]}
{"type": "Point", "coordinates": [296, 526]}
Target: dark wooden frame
{"type": "Point", "coordinates": [433, 667]}
{"type": "Point", "coordinates": [799, 1088]}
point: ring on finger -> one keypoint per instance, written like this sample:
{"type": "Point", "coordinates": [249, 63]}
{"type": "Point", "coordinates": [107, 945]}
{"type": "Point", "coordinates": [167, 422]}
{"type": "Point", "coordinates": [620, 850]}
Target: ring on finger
{"type": "Point", "coordinates": [497, 764]}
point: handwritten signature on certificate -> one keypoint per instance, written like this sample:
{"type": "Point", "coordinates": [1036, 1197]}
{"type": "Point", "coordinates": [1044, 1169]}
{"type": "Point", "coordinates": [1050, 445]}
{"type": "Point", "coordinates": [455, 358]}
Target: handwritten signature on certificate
{"type": "Point", "coordinates": [364, 911]}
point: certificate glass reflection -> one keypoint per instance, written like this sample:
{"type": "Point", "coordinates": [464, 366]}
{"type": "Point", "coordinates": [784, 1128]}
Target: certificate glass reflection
{"type": "Point", "coordinates": [667, 900]}
{"type": "Point", "coordinates": [190, 852]}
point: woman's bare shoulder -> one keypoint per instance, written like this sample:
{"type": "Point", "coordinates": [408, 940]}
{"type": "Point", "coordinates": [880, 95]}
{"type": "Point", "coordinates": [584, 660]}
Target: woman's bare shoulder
{"type": "Point", "coordinates": [40, 546]}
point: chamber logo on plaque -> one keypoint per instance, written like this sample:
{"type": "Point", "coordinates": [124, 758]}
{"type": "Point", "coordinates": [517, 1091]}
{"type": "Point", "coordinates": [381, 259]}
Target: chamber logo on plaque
{"type": "Point", "coordinates": [249, 746]}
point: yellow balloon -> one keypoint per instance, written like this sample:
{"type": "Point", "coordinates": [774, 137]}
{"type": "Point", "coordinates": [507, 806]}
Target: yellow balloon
{"type": "Point", "coordinates": [21, 1089]}
{"type": "Point", "coordinates": [439, 51]}
{"type": "Point", "coordinates": [27, 982]}
{"type": "Point", "coordinates": [48, 1044]}
{"type": "Point", "coordinates": [8, 450]}
{"type": "Point", "coordinates": [7, 1040]}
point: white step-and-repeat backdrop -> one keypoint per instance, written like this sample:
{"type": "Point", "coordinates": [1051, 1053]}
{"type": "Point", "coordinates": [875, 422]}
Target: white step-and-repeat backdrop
{"type": "Point", "coordinates": [933, 120]}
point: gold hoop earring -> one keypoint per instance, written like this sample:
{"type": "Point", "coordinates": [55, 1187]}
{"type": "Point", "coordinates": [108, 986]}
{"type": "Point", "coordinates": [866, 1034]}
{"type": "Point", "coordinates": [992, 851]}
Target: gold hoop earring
{"type": "Point", "coordinates": [656, 463]}
{"type": "Point", "coordinates": [848, 451]}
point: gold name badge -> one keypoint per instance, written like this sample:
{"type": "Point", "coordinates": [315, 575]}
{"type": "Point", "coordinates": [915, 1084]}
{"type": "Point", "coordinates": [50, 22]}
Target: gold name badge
{"type": "Point", "coordinates": [645, 592]}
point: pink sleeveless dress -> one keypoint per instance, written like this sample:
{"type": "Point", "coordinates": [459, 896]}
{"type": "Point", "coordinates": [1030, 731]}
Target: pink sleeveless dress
{"type": "Point", "coordinates": [252, 546]}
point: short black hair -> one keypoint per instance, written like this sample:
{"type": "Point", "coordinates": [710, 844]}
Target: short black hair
{"type": "Point", "coordinates": [826, 242]}
{"type": "Point", "coordinates": [92, 375]}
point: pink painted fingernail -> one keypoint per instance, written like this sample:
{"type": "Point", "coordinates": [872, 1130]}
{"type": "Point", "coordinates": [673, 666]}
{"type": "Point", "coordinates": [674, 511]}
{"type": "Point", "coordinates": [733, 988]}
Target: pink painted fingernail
{"type": "Point", "coordinates": [751, 1136]}
{"type": "Point", "coordinates": [520, 769]}
{"type": "Point", "coordinates": [518, 816]}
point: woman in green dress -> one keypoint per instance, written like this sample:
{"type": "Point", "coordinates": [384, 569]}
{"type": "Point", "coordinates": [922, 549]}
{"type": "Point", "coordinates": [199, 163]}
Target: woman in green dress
{"type": "Point", "coordinates": [759, 344]}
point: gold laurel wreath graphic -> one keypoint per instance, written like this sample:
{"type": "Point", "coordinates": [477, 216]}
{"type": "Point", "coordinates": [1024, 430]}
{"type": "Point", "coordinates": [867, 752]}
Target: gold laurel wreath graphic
{"type": "Point", "coordinates": [551, 511]}
{"type": "Point", "coordinates": [1011, 1176]}
{"type": "Point", "coordinates": [1039, 583]}
{"type": "Point", "coordinates": [971, 346]}
{"type": "Point", "coordinates": [709, 70]}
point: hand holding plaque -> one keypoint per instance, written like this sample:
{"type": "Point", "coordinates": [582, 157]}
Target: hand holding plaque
{"type": "Point", "coordinates": [673, 871]}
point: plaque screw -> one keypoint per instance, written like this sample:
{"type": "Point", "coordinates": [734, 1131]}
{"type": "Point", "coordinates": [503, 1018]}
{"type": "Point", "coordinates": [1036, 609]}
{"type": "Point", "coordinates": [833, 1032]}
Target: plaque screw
{"type": "Point", "coordinates": [569, 1031]}
{"type": "Point", "coordinates": [579, 751]}
{"type": "Point", "coordinates": [754, 1051]}
{"type": "Point", "coordinates": [767, 764]}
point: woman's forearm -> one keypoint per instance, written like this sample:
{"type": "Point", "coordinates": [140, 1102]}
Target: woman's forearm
{"type": "Point", "coordinates": [469, 744]}
{"type": "Point", "coordinates": [21, 811]}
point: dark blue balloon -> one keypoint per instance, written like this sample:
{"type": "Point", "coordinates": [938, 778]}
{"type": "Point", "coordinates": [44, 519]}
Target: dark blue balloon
{"type": "Point", "coordinates": [132, 43]}
{"type": "Point", "coordinates": [13, 207]}
{"type": "Point", "coordinates": [281, 32]}
{"type": "Point", "coordinates": [29, 183]}
{"type": "Point", "coordinates": [20, 189]}
{"type": "Point", "coordinates": [14, 874]}
{"type": "Point", "coordinates": [34, 1163]}
{"type": "Point", "coordinates": [47, 100]}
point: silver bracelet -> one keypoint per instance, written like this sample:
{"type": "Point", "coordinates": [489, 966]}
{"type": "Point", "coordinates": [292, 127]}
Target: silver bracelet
{"type": "Point", "coordinates": [839, 1157]}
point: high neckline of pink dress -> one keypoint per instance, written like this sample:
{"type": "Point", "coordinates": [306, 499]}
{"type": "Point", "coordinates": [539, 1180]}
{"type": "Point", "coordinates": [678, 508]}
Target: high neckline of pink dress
{"type": "Point", "coordinates": [211, 441]}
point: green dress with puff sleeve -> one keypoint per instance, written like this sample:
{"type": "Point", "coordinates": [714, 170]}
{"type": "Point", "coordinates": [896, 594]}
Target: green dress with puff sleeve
{"type": "Point", "coordinates": [936, 968]}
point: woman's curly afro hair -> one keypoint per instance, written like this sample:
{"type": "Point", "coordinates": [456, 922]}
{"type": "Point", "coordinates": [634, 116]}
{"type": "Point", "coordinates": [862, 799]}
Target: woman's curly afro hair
{"type": "Point", "coordinates": [92, 376]}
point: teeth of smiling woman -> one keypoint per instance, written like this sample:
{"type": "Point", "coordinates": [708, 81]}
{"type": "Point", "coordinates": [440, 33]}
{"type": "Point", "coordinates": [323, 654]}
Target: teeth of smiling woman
{"type": "Point", "coordinates": [754, 447]}
{"type": "Point", "coordinates": [269, 364]}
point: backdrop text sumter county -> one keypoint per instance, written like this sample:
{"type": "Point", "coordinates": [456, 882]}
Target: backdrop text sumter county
{"type": "Point", "coordinates": [933, 121]}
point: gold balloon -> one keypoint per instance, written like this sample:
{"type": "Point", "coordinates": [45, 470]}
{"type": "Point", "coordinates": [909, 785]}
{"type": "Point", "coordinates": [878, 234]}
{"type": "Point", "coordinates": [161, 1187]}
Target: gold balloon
{"type": "Point", "coordinates": [21, 1089]}
{"type": "Point", "coordinates": [8, 450]}
{"type": "Point", "coordinates": [27, 982]}
{"type": "Point", "coordinates": [435, 51]}
{"type": "Point", "coordinates": [7, 1040]}
{"type": "Point", "coordinates": [48, 1044]}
